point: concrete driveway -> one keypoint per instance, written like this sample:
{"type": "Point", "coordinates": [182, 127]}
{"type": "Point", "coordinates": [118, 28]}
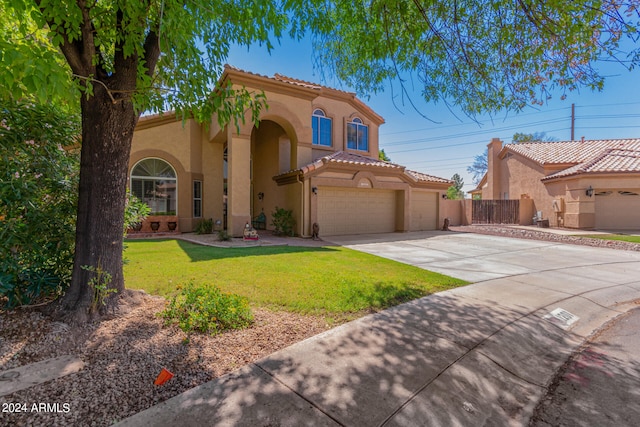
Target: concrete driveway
{"type": "Point", "coordinates": [483, 354]}
{"type": "Point", "coordinates": [476, 257]}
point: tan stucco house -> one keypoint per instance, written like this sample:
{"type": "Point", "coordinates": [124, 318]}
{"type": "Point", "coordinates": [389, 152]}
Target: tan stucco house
{"type": "Point", "coordinates": [577, 184]}
{"type": "Point", "coordinates": [314, 152]}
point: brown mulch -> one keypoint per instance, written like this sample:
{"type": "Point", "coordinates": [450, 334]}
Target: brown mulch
{"type": "Point", "coordinates": [124, 355]}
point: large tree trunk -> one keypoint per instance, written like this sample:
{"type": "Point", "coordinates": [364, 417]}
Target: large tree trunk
{"type": "Point", "coordinates": [107, 131]}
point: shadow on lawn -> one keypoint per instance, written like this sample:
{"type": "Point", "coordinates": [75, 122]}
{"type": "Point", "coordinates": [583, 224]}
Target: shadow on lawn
{"type": "Point", "coordinates": [206, 253]}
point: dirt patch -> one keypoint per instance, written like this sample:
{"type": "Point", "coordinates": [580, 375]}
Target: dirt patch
{"type": "Point", "coordinates": [123, 356]}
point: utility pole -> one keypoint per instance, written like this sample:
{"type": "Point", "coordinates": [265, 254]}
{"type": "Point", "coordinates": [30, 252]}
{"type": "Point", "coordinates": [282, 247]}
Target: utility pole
{"type": "Point", "coordinates": [573, 121]}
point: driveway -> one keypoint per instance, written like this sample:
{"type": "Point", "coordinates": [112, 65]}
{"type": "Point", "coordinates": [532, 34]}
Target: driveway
{"type": "Point", "coordinates": [482, 354]}
{"type": "Point", "coordinates": [476, 257]}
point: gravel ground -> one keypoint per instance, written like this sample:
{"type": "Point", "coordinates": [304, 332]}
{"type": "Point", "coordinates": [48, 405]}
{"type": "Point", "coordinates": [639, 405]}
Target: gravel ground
{"type": "Point", "coordinates": [124, 354]}
{"type": "Point", "coordinates": [507, 231]}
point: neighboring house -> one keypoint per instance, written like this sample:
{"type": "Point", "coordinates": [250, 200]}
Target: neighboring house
{"type": "Point", "coordinates": [314, 152]}
{"type": "Point", "coordinates": [575, 184]}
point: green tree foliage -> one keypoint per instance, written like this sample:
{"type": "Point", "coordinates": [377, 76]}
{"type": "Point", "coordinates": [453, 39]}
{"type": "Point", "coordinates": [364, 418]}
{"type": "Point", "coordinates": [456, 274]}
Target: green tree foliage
{"type": "Point", "coordinates": [480, 55]}
{"type": "Point", "coordinates": [119, 59]}
{"type": "Point", "coordinates": [479, 167]}
{"type": "Point", "coordinates": [383, 156]}
{"type": "Point", "coordinates": [531, 137]}
{"type": "Point", "coordinates": [129, 57]}
{"type": "Point", "coordinates": [38, 194]}
{"type": "Point", "coordinates": [455, 191]}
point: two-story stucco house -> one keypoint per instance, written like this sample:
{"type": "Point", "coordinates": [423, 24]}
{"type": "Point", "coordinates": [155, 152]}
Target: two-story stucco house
{"type": "Point", "coordinates": [576, 184]}
{"type": "Point", "coordinates": [314, 152]}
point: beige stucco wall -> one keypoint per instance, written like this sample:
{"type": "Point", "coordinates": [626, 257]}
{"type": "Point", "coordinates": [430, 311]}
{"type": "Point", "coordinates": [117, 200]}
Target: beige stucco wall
{"type": "Point", "coordinates": [282, 142]}
{"type": "Point", "coordinates": [266, 159]}
{"type": "Point", "coordinates": [518, 177]}
{"type": "Point", "coordinates": [452, 209]}
{"type": "Point", "coordinates": [341, 113]}
{"type": "Point", "coordinates": [180, 145]}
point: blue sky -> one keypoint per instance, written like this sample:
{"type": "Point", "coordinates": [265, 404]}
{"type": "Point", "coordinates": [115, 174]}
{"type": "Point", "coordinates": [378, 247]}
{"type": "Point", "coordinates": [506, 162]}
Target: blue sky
{"type": "Point", "coordinates": [449, 146]}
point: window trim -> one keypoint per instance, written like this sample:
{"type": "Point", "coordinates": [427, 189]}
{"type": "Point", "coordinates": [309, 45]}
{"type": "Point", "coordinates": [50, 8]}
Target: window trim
{"type": "Point", "coordinates": [358, 123]}
{"type": "Point", "coordinates": [320, 115]}
{"type": "Point", "coordinates": [133, 177]}
{"type": "Point", "coordinates": [197, 199]}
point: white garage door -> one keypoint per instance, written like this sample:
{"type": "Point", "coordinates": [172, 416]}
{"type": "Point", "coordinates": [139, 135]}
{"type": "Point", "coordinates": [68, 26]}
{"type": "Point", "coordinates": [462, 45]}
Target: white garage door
{"type": "Point", "coordinates": [618, 210]}
{"type": "Point", "coordinates": [355, 211]}
{"type": "Point", "coordinates": [424, 211]}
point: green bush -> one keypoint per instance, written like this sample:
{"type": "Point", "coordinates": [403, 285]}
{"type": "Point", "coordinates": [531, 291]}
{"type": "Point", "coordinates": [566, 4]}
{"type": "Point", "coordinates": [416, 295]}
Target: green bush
{"type": "Point", "coordinates": [283, 222]}
{"type": "Point", "coordinates": [206, 309]}
{"type": "Point", "coordinates": [38, 199]}
{"type": "Point", "coordinates": [38, 196]}
{"type": "Point", "coordinates": [204, 226]}
{"type": "Point", "coordinates": [223, 236]}
{"type": "Point", "coordinates": [135, 212]}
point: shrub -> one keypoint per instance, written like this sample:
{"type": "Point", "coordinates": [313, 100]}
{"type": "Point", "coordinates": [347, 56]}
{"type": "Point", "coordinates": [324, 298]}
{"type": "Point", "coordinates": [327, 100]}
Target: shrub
{"type": "Point", "coordinates": [204, 226]}
{"type": "Point", "coordinates": [38, 196]}
{"type": "Point", "coordinates": [206, 309]}
{"type": "Point", "coordinates": [283, 222]}
{"type": "Point", "coordinates": [223, 236]}
{"type": "Point", "coordinates": [135, 212]}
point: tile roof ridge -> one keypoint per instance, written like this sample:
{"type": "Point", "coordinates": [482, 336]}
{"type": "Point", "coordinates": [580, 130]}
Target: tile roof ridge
{"type": "Point", "coordinates": [293, 80]}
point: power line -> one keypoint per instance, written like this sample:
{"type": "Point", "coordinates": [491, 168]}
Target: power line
{"type": "Point", "coordinates": [473, 133]}
{"type": "Point", "coordinates": [467, 124]}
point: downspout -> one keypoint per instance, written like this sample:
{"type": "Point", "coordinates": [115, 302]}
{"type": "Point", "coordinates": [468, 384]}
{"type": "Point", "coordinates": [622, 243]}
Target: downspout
{"type": "Point", "coordinates": [302, 216]}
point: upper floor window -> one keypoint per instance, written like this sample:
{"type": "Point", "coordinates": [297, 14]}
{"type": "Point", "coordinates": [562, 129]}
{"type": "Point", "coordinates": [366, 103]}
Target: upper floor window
{"type": "Point", "coordinates": [155, 182]}
{"type": "Point", "coordinates": [357, 135]}
{"type": "Point", "coordinates": [321, 125]}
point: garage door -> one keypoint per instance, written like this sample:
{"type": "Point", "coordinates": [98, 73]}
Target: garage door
{"type": "Point", "coordinates": [618, 210]}
{"type": "Point", "coordinates": [356, 211]}
{"type": "Point", "coordinates": [424, 211]}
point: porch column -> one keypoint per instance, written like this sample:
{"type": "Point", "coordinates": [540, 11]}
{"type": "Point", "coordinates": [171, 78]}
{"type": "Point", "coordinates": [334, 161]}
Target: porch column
{"type": "Point", "coordinates": [238, 183]}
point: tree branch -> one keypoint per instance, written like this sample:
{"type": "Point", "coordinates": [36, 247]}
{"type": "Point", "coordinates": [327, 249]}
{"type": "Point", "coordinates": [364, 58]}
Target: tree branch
{"type": "Point", "coordinates": [151, 51]}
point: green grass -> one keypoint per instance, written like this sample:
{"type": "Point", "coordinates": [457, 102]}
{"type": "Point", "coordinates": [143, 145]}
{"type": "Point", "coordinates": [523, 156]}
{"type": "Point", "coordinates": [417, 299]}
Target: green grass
{"type": "Point", "coordinates": [327, 280]}
{"type": "Point", "coordinates": [620, 237]}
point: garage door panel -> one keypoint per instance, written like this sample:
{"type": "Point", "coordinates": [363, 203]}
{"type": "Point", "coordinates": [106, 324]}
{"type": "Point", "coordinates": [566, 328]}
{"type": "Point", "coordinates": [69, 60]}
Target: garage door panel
{"type": "Point", "coordinates": [617, 210]}
{"type": "Point", "coordinates": [355, 211]}
{"type": "Point", "coordinates": [424, 211]}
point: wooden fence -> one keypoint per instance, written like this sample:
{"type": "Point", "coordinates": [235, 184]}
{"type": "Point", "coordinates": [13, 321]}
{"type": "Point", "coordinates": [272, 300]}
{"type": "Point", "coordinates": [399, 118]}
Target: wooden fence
{"type": "Point", "coordinates": [495, 211]}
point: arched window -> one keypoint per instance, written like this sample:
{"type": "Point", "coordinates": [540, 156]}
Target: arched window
{"type": "Point", "coordinates": [321, 125]}
{"type": "Point", "coordinates": [155, 182]}
{"type": "Point", "coordinates": [357, 135]}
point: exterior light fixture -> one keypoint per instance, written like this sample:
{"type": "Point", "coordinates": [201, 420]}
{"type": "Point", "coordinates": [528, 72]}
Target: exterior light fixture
{"type": "Point", "coordinates": [260, 195]}
{"type": "Point", "coordinates": [314, 190]}
{"type": "Point", "coordinates": [589, 191]}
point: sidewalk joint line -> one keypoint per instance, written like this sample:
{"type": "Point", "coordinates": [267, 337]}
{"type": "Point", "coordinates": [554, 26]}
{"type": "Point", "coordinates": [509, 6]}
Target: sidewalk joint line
{"type": "Point", "coordinates": [299, 395]}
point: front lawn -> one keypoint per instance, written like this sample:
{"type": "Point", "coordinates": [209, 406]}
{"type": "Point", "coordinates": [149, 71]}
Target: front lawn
{"type": "Point", "coordinates": [620, 237]}
{"type": "Point", "coordinates": [326, 280]}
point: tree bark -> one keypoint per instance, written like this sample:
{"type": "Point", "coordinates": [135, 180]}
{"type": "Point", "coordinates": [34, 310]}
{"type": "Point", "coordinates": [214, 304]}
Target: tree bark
{"type": "Point", "coordinates": [107, 132]}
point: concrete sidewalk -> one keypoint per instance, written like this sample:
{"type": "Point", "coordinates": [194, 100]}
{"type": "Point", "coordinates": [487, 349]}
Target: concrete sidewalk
{"type": "Point", "coordinates": [478, 355]}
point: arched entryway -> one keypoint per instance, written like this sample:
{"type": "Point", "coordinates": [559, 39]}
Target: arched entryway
{"type": "Point", "coordinates": [272, 153]}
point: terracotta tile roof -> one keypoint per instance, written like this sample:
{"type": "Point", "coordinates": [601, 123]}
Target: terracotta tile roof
{"type": "Point", "coordinates": [343, 157]}
{"type": "Point", "coordinates": [569, 152]}
{"type": "Point", "coordinates": [296, 82]}
{"type": "Point", "coordinates": [428, 178]}
{"type": "Point", "coordinates": [613, 160]}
